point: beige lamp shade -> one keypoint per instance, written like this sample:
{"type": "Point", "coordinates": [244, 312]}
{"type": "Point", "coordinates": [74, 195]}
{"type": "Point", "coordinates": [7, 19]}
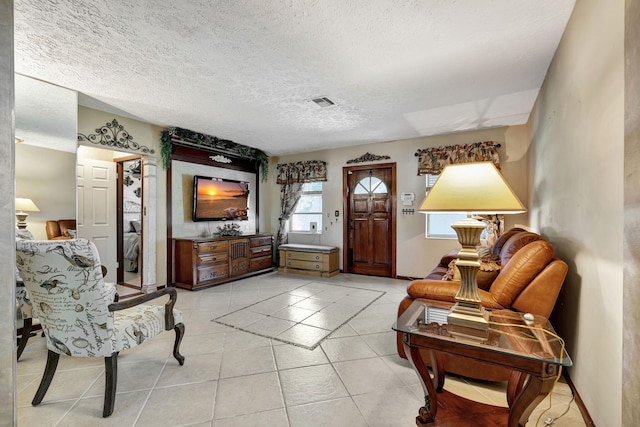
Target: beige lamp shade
{"type": "Point", "coordinates": [26, 205]}
{"type": "Point", "coordinates": [472, 188]}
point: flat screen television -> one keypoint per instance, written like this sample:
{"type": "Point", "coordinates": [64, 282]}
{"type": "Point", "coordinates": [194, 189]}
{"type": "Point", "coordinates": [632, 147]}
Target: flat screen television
{"type": "Point", "coordinates": [219, 199]}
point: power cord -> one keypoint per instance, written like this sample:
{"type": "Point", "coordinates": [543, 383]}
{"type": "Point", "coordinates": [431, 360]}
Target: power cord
{"type": "Point", "coordinates": [550, 420]}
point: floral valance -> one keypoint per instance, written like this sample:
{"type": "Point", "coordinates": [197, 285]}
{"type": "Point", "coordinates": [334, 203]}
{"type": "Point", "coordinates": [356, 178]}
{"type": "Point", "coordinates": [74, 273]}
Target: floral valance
{"type": "Point", "coordinates": [433, 160]}
{"type": "Point", "coordinates": [307, 171]}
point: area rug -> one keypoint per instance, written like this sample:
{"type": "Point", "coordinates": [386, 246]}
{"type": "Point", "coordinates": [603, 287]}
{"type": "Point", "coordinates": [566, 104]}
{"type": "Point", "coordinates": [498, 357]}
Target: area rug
{"type": "Point", "coordinates": [304, 316]}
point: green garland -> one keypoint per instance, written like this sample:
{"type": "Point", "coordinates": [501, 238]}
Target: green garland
{"type": "Point", "coordinates": [190, 137]}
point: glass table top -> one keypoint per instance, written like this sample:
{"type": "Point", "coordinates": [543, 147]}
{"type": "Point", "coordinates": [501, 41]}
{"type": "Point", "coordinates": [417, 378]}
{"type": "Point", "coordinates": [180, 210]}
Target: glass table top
{"type": "Point", "coordinates": [508, 332]}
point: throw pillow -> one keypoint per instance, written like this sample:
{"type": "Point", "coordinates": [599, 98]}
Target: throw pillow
{"type": "Point", "coordinates": [72, 234]}
{"type": "Point", "coordinates": [453, 273]}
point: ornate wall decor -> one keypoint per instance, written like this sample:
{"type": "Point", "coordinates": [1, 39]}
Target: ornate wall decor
{"type": "Point", "coordinates": [220, 159]}
{"type": "Point", "coordinates": [368, 157]}
{"type": "Point", "coordinates": [113, 135]}
{"type": "Point", "coordinates": [175, 135]}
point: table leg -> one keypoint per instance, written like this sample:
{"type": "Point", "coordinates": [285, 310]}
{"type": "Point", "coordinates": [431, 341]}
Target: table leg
{"type": "Point", "coordinates": [533, 392]}
{"type": "Point", "coordinates": [427, 413]}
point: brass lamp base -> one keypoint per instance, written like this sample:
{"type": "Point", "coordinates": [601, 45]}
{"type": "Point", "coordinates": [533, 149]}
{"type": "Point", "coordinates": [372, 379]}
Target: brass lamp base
{"type": "Point", "coordinates": [468, 315]}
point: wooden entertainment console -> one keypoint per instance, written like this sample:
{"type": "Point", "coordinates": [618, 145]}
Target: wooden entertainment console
{"type": "Point", "coordinates": [204, 262]}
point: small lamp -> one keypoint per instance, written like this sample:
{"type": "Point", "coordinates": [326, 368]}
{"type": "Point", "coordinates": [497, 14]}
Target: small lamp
{"type": "Point", "coordinates": [470, 188]}
{"type": "Point", "coordinates": [21, 206]}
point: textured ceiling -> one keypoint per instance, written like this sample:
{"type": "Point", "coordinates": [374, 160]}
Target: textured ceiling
{"type": "Point", "coordinates": [245, 70]}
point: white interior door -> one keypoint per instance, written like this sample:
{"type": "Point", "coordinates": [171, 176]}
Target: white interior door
{"type": "Point", "coordinates": [96, 186]}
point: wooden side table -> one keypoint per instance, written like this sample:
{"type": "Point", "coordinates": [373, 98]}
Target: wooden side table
{"type": "Point", "coordinates": [533, 352]}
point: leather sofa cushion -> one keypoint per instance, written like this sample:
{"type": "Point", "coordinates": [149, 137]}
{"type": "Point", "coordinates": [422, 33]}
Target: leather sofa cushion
{"type": "Point", "coordinates": [515, 243]}
{"type": "Point", "coordinates": [523, 267]}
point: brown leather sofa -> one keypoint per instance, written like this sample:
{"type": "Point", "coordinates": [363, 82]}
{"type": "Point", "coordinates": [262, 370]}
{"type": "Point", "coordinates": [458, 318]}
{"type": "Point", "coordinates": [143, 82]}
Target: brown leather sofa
{"type": "Point", "coordinates": [528, 281]}
{"type": "Point", "coordinates": [59, 229]}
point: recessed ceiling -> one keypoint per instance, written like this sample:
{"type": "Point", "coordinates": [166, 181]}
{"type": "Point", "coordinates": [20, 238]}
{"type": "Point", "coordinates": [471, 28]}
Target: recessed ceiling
{"type": "Point", "coordinates": [246, 70]}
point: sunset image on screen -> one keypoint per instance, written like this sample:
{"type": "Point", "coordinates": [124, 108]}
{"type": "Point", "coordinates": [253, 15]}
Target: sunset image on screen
{"type": "Point", "coordinates": [221, 199]}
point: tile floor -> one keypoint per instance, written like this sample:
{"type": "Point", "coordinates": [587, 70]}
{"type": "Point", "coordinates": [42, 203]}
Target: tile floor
{"type": "Point", "coordinates": [232, 378]}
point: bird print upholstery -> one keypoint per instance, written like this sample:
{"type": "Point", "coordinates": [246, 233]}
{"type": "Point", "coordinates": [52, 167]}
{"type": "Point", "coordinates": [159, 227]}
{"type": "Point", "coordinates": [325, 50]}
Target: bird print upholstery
{"type": "Point", "coordinates": [77, 313]}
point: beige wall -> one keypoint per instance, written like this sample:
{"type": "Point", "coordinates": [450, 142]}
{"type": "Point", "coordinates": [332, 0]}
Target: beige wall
{"type": "Point", "coordinates": [144, 134]}
{"type": "Point", "coordinates": [577, 195]}
{"type": "Point", "coordinates": [48, 177]}
{"type": "Point", "coordinates": [416, 256]}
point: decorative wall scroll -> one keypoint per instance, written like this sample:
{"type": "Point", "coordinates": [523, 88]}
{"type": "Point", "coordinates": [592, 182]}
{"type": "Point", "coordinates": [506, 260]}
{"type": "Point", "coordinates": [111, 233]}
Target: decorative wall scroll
{"type": "Point", "coordinates": [175, 135]}
{"type": "Point", "coordinates": [220, 159]}
{"type": "Point", "coordinates": [113, 135]}
{"type": "Point", "coordinates": [368, 157]}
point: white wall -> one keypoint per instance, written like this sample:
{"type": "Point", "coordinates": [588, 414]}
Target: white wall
{"type": "Point", "coordinates": [416, 256]}
{"type": "Point", "coordinates": [577, 195]}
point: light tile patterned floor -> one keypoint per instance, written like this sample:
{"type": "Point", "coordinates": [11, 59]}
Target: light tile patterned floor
{"type": "Point", "coordinates": [234, 379]}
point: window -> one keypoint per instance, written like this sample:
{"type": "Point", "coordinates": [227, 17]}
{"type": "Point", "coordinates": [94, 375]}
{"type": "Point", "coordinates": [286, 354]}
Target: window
{"type": "Point", "coordinates": [308, 209]}
{"type": "Point", "coordinates": [438, 225]}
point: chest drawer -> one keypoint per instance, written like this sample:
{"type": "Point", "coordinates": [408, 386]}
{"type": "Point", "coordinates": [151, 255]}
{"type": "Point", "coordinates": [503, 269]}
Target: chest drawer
{"type": "Point", "coordinates": [304, 256]}
{"type": "Point", "coordinates": [213, 272]}
{"type": "Point", "coordinates": [212, 258]}
{"type": "Point", "coordinates": [261, 263]}
{"type": "Point", "coordinates": [261, 241]}
{"type": "Point", "coordinates": [304, 265]}
{"type": "Point", "coordinates": [210, 247]}
{"type": "Point", "coordinates": [260, 251]}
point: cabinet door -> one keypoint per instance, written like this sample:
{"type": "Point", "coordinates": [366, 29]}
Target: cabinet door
{"type": "Point", "coordinates": [239, 262]}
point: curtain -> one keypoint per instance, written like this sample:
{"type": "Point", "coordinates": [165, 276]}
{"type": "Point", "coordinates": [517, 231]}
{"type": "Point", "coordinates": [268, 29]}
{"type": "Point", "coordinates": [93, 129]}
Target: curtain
{"type": "Point", "coordinates": [433, 160]}
{"type": "Point", "coordinates": [291, 176]}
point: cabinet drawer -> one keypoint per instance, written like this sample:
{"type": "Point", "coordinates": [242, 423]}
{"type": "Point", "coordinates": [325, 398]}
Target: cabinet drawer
{"type": "Point", "coordinates": [261, 263]}
{"type": "Point", "coordinates": [209, 247]}
{"type": "Point", "coordinates": [304, 256]}
{"type": "Point", "coordinates": [212, 258]}
{"type": "Point", "coordinates": [213, 272]}
{"type": "Point", "coordinates": [304, 265]}
{"type": "Point", "coordinates": [261, 241]}
{"type": "Point", "coordinates": [260, 251]}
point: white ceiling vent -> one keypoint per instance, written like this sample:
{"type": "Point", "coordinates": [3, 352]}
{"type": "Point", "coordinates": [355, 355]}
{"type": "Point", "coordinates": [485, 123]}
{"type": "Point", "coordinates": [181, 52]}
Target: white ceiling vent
{"type": "Point", "coordinates": [323, 101]}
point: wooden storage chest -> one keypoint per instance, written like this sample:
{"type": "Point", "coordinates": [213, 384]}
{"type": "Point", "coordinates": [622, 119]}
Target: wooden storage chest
{"type": "Point", "coordinates": [309, 259]}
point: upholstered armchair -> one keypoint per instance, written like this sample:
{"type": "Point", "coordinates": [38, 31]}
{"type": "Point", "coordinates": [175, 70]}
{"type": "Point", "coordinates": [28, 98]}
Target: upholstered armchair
{"type": "Point", "coordinates": [528, 280]}
{"type": "Point", "coordinates": [23, 303]}
{"type": "Point", "coordinates": [77, 312]}
{"type": "Point", "coordinates": [61, 229]}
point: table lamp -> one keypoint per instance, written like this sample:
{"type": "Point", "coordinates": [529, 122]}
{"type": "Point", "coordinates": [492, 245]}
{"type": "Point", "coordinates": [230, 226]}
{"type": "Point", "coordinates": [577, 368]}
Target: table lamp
{"type": "Point", "coordinates": [472, 188]}
{"type": "Point", "coordinates": [21, 206]}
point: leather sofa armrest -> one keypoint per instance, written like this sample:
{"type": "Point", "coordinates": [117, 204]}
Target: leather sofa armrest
{"type": "Point", "coordinates": [444, 290]}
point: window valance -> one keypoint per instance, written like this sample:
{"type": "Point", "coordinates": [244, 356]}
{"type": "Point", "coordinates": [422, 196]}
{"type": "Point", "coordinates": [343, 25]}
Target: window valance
{"type": "Point", "coordinates": [300, 172]}
{"type": "Point", "coordinates": [433, 160]}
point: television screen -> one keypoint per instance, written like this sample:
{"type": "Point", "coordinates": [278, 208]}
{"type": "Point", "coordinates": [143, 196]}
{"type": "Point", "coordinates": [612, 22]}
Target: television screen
{"type": "Point", "coordinates": [218, 199]}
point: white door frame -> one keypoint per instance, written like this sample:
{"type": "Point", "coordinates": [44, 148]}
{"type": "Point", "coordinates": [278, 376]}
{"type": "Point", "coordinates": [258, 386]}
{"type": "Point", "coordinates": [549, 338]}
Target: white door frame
{"type": "Point", "coordinates": [149, 219]}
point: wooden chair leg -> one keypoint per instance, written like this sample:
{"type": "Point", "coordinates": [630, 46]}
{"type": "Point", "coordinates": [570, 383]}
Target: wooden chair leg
{"type": "Point", "coordinates": [49, 370]}
{"type": "Point", "coordinates": [111, 379]}
{"type": "Point", "coordinates": [26, 333]}
{"type": "Point", "coordinates": [179, 328]}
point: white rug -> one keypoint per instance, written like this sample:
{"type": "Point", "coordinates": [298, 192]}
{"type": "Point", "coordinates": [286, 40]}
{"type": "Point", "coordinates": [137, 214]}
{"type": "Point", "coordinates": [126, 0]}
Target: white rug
{"type": "Point", "coordinates": [304, 316]}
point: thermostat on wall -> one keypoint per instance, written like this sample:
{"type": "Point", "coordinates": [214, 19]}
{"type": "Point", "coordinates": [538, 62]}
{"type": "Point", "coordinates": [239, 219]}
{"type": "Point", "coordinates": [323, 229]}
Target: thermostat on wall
{"type": "Point", "coordinates": [407, 199]}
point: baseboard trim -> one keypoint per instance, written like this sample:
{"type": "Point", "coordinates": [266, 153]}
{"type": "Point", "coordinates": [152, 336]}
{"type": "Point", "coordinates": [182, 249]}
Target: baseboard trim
{"type": "Point", "coordinates": [407, 278]}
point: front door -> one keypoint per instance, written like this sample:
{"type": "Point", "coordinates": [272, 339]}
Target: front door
{"type": "Point", "coordinates": [370, 228]}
